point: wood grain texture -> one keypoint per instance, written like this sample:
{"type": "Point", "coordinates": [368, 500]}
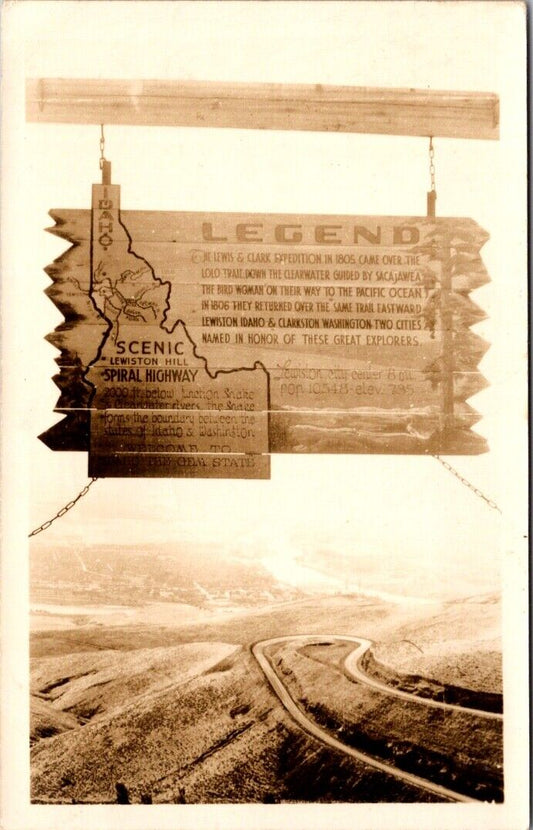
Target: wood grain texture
{"type": "Point", "coordinates": [261, 106]}
{"type": "Point", "coordinates": [362, 419]}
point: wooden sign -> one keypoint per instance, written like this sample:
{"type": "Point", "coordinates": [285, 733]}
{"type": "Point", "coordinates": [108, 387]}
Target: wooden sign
{"type": "Point", "coordinates": [263, 106]}
{"type": "Point", "coordinates": [198, 343]}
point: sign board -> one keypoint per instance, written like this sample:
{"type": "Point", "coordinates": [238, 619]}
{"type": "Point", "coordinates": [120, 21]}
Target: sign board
{"type": "Point", "coordinates": [198, 343]}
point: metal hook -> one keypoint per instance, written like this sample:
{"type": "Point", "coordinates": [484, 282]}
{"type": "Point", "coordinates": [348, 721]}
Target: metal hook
{"type": "Point", "coordinates": [432, 194]}
{"type": "Point", "coordinates": [105, 166]}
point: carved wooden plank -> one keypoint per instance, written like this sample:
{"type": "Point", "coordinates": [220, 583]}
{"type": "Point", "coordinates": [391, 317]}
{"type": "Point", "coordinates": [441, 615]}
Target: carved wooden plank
{"type": "Point", "coordinates": [264, 106]}
{"type": "Point", "coordinates": [343, 313]}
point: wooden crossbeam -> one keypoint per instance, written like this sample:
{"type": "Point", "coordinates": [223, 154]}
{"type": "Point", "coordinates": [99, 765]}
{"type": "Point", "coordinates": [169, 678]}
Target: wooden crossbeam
{"type": "Point", "coordinates": [264, 107]}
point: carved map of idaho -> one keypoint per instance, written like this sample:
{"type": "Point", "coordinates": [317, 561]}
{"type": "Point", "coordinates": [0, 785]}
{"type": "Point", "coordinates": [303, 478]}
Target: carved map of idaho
{"type": "Point", "coordinates": [156, 408]}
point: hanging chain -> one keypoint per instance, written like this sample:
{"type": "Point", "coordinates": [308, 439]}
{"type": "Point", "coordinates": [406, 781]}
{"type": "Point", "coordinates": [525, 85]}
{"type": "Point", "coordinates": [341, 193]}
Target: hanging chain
{"type": "Point", "coordinates": [432, 196]}
{"type": "Point", "coordinates": [102, 146]}
{"type": "Point", "coordinates": [64, 509]}
{"type": "Point", "coordinates": [466, 483]}
{"type": "Point", "coordinates": [85, 489]}
{"type": "Point", "coordinates": [432, 165]}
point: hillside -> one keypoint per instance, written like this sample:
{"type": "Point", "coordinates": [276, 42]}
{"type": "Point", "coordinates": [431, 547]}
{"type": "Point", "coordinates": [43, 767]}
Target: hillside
{"type": "Point", "coordinates": [93, 684]}
{"type": "Point", "coordinates": [218, 736]}
{"type": "Point", "coordinates": [461, 645]}
{"type": "Point", "coordinates": [456, 749]}
{"type": "Point", "coordinates": [184, 713]}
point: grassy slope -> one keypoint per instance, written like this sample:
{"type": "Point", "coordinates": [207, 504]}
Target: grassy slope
{"type": "Point", "coordinates": [94, 683]}
{"type": "Point", "coordinates": [460, 645]}
{"type": "Point", "coordinates": [162, 722]}
{"type": "Point", "coordinates": [456, 749]}
{"type": "Point", "coordinates": [220, 736]}
{"type": "Point", "coordinates": [46, 720]}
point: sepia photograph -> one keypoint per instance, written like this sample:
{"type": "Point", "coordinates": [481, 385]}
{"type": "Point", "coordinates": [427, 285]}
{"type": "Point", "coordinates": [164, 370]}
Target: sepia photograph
{"type": "Point", "coordinates": [264, 454]}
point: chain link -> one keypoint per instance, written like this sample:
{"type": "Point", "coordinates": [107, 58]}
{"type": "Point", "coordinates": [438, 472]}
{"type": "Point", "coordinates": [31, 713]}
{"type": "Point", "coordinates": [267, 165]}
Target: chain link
{"type": "Point", "coordinates": [64, 509]}
{"type": "Point", "coordinates": [432, 164]}
{"type": "Point", "coordinates": [102, 146]}
{"type": "Point", "coordinates": [467, 483]}
{"type": "Point", "coordinates": [444, 463]}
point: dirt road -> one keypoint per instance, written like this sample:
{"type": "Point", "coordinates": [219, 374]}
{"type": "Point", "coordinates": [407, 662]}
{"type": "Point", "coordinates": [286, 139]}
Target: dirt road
{"type": "Point", "coordinates": [353, 668]}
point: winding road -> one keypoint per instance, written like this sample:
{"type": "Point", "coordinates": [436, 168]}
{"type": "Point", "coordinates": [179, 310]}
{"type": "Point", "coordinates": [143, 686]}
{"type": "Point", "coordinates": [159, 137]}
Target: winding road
{"type": "Point", "coordinates": [352, 666]}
